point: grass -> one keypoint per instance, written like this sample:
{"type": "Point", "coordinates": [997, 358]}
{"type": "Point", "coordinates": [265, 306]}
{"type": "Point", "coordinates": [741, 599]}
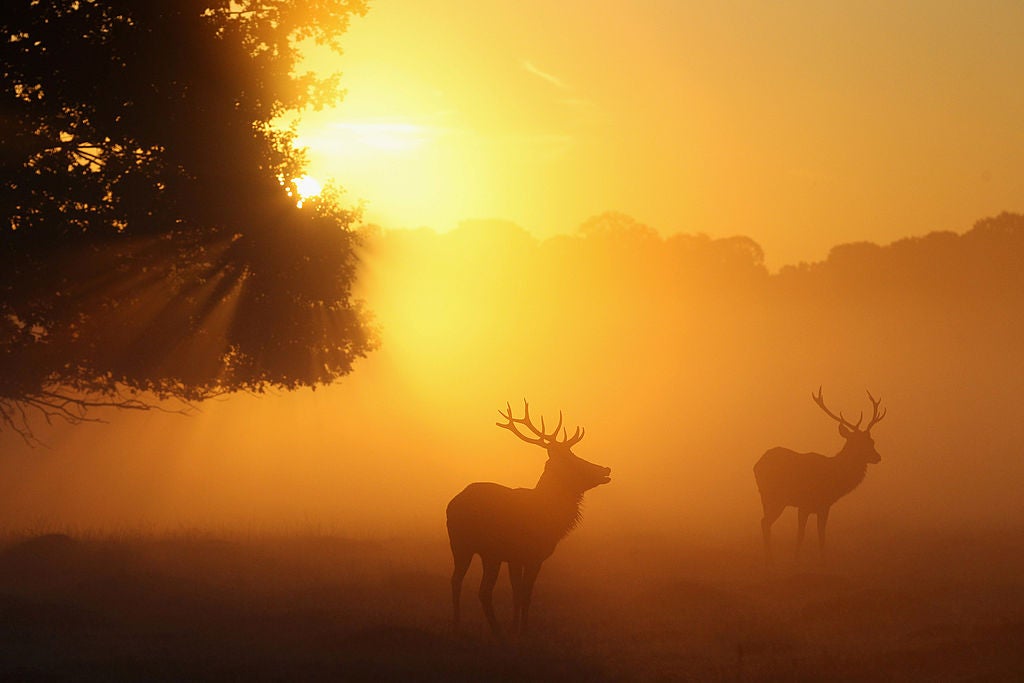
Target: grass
{"type": "Point", "coordinates": [195, 606]}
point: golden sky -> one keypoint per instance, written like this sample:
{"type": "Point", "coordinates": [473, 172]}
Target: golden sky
{"type": "Point", "coordinates": [800, 124]}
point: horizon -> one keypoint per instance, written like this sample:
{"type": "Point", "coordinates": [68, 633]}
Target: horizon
{"type": "Point", "coordinates": [485, 223]}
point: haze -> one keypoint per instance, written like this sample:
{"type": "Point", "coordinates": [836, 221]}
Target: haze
{"type": "Point", "coordinates": [683, 358]}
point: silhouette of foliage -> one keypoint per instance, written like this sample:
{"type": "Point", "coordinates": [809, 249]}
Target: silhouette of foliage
{"type": "Point", "coordinates": [150, 239]}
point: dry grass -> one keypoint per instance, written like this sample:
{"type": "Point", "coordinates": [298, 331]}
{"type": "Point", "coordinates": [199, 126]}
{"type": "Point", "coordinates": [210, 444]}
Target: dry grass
{"type": "Point", "coordinates": [193, 606]}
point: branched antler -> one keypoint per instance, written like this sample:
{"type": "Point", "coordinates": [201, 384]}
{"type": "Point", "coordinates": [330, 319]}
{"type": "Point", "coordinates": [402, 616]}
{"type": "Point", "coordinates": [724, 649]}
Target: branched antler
{"type": "Point", "coordinates": [541, 437]}
{"type": "Point", "coordinates": [875, 416]}
{"type": "Point", "coordinates": [838, 418]}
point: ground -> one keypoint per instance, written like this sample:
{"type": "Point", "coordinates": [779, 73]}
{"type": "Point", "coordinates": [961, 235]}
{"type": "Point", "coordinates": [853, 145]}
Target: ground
{"type": "Point", "coordinates": [194, 606]}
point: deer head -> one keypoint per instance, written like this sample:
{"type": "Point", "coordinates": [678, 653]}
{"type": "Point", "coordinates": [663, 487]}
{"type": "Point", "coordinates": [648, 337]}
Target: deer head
{"type": "Point", "coordinates": [570, 470]}
{"type": "Point", "coordinates": [858, 441]}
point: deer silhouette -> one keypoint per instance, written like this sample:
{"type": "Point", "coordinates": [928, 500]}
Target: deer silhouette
{"type": "Point", "coordinates": [812, 482]}
{"type": "Point", "coordinates": [519, 526]}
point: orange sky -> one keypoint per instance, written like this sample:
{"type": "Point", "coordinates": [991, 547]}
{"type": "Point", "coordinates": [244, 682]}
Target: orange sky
{"type": "Point", "coordinates": [802, 124]}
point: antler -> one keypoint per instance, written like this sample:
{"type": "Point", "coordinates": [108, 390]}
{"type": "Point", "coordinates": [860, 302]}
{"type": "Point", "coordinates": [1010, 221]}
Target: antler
{"type": "Point", "coordinates": [540, 436]}
{"type": "Point", "coordinates": [876, 417]}
{"type": "Point", "coordinates": [840, 419]}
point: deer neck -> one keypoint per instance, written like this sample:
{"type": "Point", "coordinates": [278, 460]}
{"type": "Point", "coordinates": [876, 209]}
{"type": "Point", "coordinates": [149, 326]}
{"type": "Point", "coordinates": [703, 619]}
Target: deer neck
{"type": "Point", "coordinates": [850, 470]}
{"type": "Point", "coordinates": [561, 502]}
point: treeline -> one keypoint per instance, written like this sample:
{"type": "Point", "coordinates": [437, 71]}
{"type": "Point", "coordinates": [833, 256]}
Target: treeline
{"type": "Point", "coordinates": [619, 251]}
{"type": "Point", "coordinates": [617, 284]}
{"type": "Point", "coordinates": [690, 358]}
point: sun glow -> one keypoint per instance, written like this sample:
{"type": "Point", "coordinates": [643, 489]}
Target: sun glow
{"type": "Point", "coordinates": [409, 171]}
{"type": "Point", "coordinates": [360, 138]}
{"type": "Point", "coordinates": [382, 135]}
{"type": "Point", "coordinates": [308, 186]}
{"type": "Point", "coordinates": [548, 116]}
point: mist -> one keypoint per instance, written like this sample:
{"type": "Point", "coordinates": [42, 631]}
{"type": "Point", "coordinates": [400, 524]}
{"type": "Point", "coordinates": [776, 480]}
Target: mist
{"type": "Point", "coordinates": [683, 357]}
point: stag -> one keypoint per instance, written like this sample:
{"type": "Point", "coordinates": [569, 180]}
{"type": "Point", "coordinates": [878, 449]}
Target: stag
{"type": "Point", "coordinates": [812, 482]}
{"type": "Point", "coordinates": [519, 526]}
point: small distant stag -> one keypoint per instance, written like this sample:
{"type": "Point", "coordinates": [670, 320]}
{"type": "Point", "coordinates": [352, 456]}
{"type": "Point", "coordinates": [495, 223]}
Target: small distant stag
{"type": "Point", "coordinates": [519, 526]}
{"type": "Point", "coordinates": [812, 482]}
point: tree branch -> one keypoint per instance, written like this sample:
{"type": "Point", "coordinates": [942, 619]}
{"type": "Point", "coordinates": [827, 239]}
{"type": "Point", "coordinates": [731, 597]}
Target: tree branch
{"type": "Point", "coordinates": [51, 404]}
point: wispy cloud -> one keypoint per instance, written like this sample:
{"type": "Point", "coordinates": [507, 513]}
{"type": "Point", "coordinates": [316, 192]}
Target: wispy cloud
{"type": "Point", "coordinates": [540, 73]}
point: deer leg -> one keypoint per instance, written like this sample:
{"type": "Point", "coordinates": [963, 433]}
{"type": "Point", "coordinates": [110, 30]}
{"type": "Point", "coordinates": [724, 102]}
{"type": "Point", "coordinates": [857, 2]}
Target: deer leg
{"type": "Point", "coordinates": [462, 559]}
{"type": "Point", "coordinates": [515, 575]}
{"type": "Point", "coordinates": [490, 577]}
{"type": "Point", "coordinates": [771, 513]}
{"type": "Point", "coordinates": [529, 578]}
{"type": "Point", "coordinates": [822, 521]}
{"type": "Point", "coordinates": [801, 526]}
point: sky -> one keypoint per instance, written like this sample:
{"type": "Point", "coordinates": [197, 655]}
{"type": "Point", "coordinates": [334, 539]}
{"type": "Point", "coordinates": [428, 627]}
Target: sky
{"type": "Point", "coordinates": [801, 124]}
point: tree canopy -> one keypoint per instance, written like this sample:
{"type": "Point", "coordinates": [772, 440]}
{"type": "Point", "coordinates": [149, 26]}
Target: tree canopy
{"type": "Point", "coordinates": [150, 239]}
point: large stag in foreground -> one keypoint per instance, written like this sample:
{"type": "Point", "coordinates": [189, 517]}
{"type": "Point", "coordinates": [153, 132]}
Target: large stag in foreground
{"type": "Point", "coordinates": [812, 482]}
{"type": "Point", "coordinates": [519, 526]}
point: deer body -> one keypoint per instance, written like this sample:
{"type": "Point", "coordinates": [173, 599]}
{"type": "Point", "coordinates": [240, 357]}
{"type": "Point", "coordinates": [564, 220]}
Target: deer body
{"type": "Point", "coordinates": [812, 482]}
{"type": "Point", "coordinates": [808, 481]}
{"type": "Point", "coordinates": [512, 525]}
{"type": "Point", "coordinates": [518, 526]}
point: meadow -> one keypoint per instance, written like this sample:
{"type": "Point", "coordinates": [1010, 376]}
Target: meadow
{"type": "Point", "coordinates": [195, 605]}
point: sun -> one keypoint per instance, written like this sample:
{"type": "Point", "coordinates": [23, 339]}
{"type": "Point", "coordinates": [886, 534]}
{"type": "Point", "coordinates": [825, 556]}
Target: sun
{"type": "Point", "coordinates": [307, 186]}
{"type": "Point", "coordinates": [408, 171]}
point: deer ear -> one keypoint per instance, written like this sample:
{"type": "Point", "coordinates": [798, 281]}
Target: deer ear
{"type": "Point", "coordinates": [844, 432]}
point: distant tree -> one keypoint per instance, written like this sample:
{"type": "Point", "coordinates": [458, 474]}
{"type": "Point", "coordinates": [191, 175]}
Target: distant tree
{"type": "Point", "coordinates": [619, 227]}
{"type": "Point", "coordinates": [150, 240]}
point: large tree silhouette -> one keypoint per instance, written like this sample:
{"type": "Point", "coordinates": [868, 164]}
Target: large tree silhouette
{"type": "Point", "coordinates": [150, 243]}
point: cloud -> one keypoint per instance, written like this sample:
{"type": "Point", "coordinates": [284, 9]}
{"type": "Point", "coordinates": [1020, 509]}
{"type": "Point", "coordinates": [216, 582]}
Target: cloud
{"type": "Point", "coordinates": [553, 80]}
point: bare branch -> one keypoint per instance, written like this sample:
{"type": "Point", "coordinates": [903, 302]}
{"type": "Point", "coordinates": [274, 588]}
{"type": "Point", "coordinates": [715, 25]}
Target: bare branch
{"type": "Point", "coordinates": [20, 414]}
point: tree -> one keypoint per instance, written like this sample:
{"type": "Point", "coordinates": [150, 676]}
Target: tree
{"type": "Point", "coordinates": [151, 245]}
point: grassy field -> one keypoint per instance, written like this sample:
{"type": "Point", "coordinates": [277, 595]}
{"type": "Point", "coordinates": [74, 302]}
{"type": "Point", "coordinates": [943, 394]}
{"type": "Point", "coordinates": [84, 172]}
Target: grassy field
{"type": "Point", "coordinates": [194, 606]}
